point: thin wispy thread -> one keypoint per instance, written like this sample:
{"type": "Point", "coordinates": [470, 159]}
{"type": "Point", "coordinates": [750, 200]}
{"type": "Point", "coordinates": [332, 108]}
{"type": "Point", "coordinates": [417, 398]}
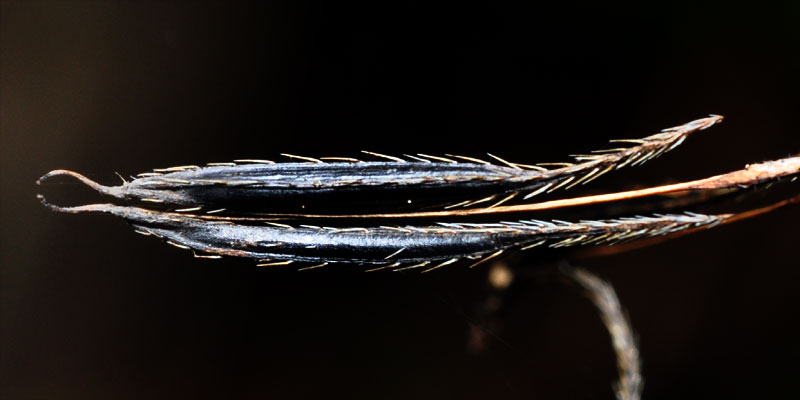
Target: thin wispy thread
{"type": "Point", "coordinates": [604, 298]}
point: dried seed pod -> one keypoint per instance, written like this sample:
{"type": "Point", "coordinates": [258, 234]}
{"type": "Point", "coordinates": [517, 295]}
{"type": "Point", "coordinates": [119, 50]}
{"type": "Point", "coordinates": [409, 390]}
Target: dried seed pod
{"type": "Point", "coordinates": [245, 209]}
{"type": "Point", "coordinates": [337, 186]}
{"type": "Point", "coordinates": [396, 246]}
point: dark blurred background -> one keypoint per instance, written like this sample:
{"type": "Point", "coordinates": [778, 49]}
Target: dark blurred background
{"type": "Point", "coordinates": [89, 310]}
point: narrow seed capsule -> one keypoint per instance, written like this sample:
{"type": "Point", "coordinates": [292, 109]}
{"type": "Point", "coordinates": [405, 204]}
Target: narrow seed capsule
{"type": "Point", "coordinates": [339, 187]}
{"type": "Point", "coordinates": [251, 210]}
{"type": "Point", "coordinates": [401, 245]}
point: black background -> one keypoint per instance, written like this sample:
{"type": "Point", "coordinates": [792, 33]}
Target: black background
{"type": "Point", "coordinates": [91, 310]}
